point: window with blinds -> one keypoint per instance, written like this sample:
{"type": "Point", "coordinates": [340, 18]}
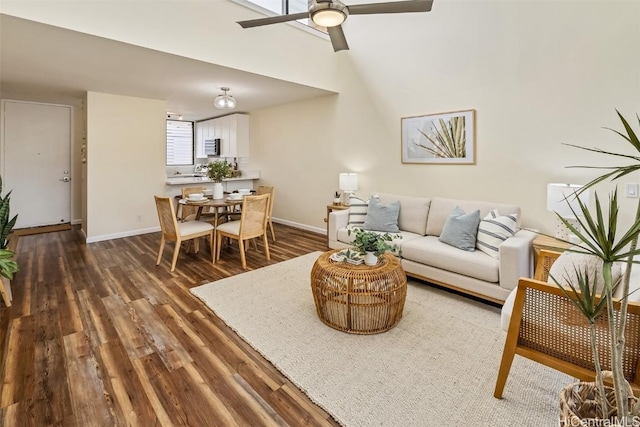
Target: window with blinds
{"type": "Point", "coordinates": [179, 143]}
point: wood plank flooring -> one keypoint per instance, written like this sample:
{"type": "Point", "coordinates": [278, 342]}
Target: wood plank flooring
{"type": "Point", "coordinates": [98, 335]}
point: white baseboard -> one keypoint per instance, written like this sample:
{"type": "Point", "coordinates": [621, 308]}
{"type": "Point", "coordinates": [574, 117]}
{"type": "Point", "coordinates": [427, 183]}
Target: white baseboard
{"type": "Point", "coordinates": [76, 221]}
{"type": "Point", "coordinates": [103, 237]}
{"type": "Point", "coordinates": [122, 234]}
{"type": "Point", "coordinates": [301, 226]}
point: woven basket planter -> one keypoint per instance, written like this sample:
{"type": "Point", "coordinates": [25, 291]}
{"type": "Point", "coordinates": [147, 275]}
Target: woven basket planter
{"type": "Point", "coordinates": [579, 405]}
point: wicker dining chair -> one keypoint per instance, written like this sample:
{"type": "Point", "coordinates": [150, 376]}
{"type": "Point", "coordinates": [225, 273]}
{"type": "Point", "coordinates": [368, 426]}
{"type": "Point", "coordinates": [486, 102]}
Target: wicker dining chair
{"type": "Point", "coordinates": [547, 328]}
{"type": "Point", "coordinates": [174, 231]}
{"type": "Point", "coordinates": [263, 189]}
{"type": "Point", "coordinates": [252, 224]}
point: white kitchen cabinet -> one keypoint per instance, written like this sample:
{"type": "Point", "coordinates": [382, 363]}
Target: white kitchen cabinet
{"type": "Point", "coordinates": [204, 130]}
{"type": "Point", "coordinates": [233, 131]}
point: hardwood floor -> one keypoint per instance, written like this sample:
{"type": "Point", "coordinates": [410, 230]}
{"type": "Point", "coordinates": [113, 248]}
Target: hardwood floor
{"type": "Point", "coordinates": [100, 336]}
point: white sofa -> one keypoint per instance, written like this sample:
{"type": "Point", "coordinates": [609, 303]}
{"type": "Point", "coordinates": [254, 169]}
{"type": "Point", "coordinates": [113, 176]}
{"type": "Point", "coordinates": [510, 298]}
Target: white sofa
{"type": "Point", "coordinates": [423, 256]}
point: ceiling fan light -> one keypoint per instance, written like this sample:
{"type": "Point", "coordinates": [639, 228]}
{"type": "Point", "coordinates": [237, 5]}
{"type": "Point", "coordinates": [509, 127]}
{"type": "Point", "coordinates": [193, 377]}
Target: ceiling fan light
{"type": "Point", "coordinates": [224, 101]}
{"type": "Point", "coordinates": [328, 17]}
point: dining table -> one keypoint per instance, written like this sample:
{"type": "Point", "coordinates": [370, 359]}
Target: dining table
{"type": "Point", "coordinates": [221, 208]}
{"type": "Point", "coordinates": [219, 205]}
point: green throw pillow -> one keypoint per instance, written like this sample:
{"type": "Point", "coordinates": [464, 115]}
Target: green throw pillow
{"type": "Point", "coordinates": [460, 229]}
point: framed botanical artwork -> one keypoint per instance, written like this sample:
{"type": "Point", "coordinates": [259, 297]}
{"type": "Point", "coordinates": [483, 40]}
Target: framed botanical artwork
{"type": "Point", "coordinates": [444, 138]}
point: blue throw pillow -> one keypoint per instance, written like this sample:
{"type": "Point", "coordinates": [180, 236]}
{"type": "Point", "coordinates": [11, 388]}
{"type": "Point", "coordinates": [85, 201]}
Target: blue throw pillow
{"type": "Point", "coordinates": [382, 217]}
{"type": "Point", "coordinates": [460, 230]}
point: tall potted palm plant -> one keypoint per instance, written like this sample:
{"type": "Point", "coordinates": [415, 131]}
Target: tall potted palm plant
{"type": "Point", "coordinates": [599, 236]}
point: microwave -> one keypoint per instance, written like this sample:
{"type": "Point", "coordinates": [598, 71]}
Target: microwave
{"type": "Point", "coordinates": [212, 147]}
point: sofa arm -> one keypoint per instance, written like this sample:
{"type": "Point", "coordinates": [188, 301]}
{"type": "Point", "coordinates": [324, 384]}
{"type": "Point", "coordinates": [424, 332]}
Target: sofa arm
{"type": "Point", "coordinates": [337, 220]}
{"type": "Point", "coordinates": [516, 258]}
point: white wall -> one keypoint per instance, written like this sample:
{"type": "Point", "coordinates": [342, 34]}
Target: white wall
{"type": "Point", "coordinates": [538, 74]}
{"type": "Point", "coordinates": [126, 142]}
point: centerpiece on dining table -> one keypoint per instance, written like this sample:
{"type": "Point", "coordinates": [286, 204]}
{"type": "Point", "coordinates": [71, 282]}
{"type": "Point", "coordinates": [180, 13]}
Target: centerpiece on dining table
{"type": "Point", "coordinates": [217, 171]}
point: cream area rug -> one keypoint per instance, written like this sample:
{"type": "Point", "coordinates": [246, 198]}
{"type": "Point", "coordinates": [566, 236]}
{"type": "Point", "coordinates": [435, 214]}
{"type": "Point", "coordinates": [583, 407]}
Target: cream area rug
{"type": "Point", "coordinates": [437, 367]}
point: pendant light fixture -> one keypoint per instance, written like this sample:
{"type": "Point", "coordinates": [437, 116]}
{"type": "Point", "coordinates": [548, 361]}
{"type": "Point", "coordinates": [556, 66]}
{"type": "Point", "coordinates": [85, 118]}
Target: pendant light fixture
{"type": "Point", "coordinates": [224, 101]}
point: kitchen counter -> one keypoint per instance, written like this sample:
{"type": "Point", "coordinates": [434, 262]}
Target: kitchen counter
{"type": "Point", "coordinates": [182, 180]}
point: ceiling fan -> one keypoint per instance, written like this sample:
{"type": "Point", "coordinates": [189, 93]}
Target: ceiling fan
{"type": "Point", "coordinates": [332, 13]}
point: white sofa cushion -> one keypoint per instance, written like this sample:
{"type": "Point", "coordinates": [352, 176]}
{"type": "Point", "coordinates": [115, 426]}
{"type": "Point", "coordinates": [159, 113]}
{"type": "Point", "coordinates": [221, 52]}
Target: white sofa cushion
{"type": "Point", "coordinates": [413, 211]}
{"type": "Point", "coordinates": [495, 229]}
{"type": "Point", "coordinates": [344, 237]}
{"type": "Point", "coordinates": [564, 270]}
{"type": "Point", "coordinates": [440, 210]}
{"type": "Point", "coordinates": [430, 251]}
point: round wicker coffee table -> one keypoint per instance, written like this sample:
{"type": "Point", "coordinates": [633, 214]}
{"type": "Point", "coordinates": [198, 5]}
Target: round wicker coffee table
{"type": "Point", "coordinates": [359, 299]}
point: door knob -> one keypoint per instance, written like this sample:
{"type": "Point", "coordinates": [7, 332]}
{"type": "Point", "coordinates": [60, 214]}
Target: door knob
{"type": "Point", "coordinates": [65, 179]}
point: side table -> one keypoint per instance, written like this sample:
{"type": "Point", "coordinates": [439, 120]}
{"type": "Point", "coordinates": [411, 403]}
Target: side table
{"type": "Point", "coordinates": [359, 299]}
{"type": "Point", "coordinates": [331, 208]}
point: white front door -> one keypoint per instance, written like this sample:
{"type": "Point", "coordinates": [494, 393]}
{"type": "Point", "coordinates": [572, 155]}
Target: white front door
{"type": "Point", "coordinates": [36, 162]}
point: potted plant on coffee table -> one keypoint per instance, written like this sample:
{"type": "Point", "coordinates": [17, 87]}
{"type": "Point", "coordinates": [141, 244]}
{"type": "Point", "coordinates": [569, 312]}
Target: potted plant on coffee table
{"type": "Point", "coordinates": [599, 236]}
{"type": "Point", "coordinates": [217, 171]}
{"type": "Point", "coordinates": [373, 244]}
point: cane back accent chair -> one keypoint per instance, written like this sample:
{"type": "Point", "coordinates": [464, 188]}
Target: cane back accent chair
{"type": "Point", "coordinates": [174, 231]}
{"type": "Point", "coordinates": [252, 224]}
{"type": "Point", "coordinates": [547, 328]}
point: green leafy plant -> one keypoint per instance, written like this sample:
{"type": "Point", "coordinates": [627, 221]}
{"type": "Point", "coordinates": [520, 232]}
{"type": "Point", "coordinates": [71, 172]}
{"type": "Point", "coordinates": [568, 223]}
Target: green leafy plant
{"type": "Point", "coordinates": [6, 224]}
{"type": "Point", "coordinates": [7, 265]}
{"type": "Point", "coordinates": [599, 236]}
{"type": "Point", "coordinates": [371, 241]}
{"type": "Point", "coordinates": [218, 170]}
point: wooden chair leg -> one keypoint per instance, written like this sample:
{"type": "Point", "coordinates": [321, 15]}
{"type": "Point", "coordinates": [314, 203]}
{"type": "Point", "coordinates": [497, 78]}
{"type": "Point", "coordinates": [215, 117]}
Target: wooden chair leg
{"type": "Point", "coordinates": [266, 245]}
{"type": "Point", "coordinates": [243, 258]}
{"type": "Point", "coordinates": [176, 251]}
{"type": "Point", "coordinates": [219, 246]}
{"type": "Point", "coordinates": [212, 246]}
{"type": "Point", "coordinates": [273, 233]}
{"type": "Point", "coordinates": [161, 250]}
{"type": "Point", "coordinates": [503, 372]}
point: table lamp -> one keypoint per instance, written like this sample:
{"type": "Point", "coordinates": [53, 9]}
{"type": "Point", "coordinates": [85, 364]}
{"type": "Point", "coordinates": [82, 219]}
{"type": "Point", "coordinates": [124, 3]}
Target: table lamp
{"type": "Point", "coordinates": [561, 199]}
{"type": "Point", "coordinates": [348, 183]}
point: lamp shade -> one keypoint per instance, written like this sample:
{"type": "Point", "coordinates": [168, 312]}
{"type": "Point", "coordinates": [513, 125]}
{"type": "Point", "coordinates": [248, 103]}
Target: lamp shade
{"type": "Point", "coordinates": [348, 181]}
{"type": "Point", "coordinates": [561, 198]}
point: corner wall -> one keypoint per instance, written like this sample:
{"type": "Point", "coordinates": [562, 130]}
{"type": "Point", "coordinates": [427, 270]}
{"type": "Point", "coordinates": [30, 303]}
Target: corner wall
{"type": "Point", "coordinates": [126, 143]}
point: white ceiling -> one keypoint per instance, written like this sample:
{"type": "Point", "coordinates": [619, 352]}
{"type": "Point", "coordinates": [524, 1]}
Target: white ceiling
{"type": "Point", "coordinates": [38, 59]}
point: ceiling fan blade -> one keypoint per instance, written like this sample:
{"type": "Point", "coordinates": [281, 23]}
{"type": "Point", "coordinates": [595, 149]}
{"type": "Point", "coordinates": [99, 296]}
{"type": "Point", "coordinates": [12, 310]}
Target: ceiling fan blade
{"type": "Point", "coordinates": [273, 20]}
{"type": "Point", "coordinates": [338, 40]}
{"type": "Point", "coordinates": [391, 7]}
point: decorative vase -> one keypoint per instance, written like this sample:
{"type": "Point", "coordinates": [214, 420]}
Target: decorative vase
{"type": "Point", "coordinates": [336, 201]}
{"type": "Point", "coordinates": [579, 405]}
{"type": "Point", "coordinates": [218, 191]}
{"type": "Point", "coordinates": [370, 258]}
